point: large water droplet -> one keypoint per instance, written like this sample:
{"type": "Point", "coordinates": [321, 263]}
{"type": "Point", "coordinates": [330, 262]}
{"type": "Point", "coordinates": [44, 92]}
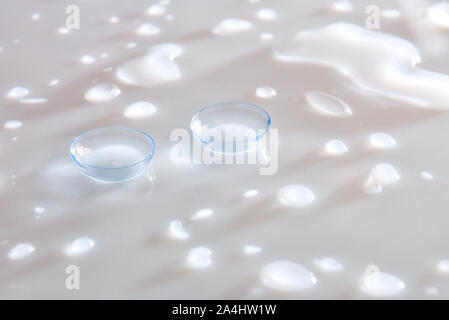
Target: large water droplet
{"type": "Point", "coordinates": [351, 50]}
{"type": "Point", "coordinates": [154, 68]}
{"type": "Point", "coordinates": [287, 276]}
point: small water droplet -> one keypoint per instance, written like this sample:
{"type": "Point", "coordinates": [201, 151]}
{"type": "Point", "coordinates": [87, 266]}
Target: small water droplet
{"type": "Point", "coordinates": [199, 258]}
{"type": "Point", "coordinates": [201, 214]}
{"type": "Point", "coordinates": [176, 230]}
{"type": "Point", "coordinates": [328, 105]}
{"type": "Point", "coordinates": [102, 92]}
{"type": "Point", "coordinates": [443, 266]}
{"type": "Point", "coordinates": [342, 6]}
{"type": "Point", "coordinates": [251, 193]}
{"type": "Point", "coordinates": [53, 82]}
{"type": "Point", "coordinates": [381, 175]}
{"type": "Point", "coordinates": [328, 264]}
{"type": "Point", "coordinates": [21, 251]}
{"type": "Point", "coordinates": [17, 93]}
{"type": "Point", "coordinates": [12, 124]}
{"type": "Point", "coordinates": [229, 26]}
{"type": "Point", "coordinates": [139, 110]}
{"type": "Point", "coordinates": [287, 276]}
{"type": "Point", "coordinates": [267, 14]}
{"type": "Point", "coordinates": [265, 92]}
{"type": "Point", "coordinates": [79, 246]}
{"type": "Point", "coordinates": [382, 140]}
{"type": "Point", "coordinates": [147, 29]}
{"type": "Point", "coordinates": [113, 19]}
{"type": "Point", "coordinates": [336, 147]}
{"type": "Point", "coordinates": [87, 59]}
{"type": "Point", "coordinates": [295, 196]}
{"type": "Point", "coordinates": [380, 284]}
{"type": "Point", "coordinates": [426, 175]}
{"type": "Point", "coordinates": [266, 36]}
{"type": "Point", "coordinates": [251, 249]}
{"type": "Point", "coordinates": [156, 10]}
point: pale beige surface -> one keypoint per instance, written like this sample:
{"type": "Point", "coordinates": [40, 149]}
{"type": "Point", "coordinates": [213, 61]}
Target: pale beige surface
{"type": "Point", "coordinates": [402, 230]}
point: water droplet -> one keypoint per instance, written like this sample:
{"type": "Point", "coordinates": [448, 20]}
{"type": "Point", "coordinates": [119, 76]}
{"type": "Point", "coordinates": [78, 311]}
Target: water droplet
{"type": "Point", "coordinates": [438, 14]}
{"type": "Point", "coordinates": [21, 251]}
{"type": "Point", "coordinates": [176, 230]}
{"type": "Point", "coordinates": [201, 214]}
{"type": "Point", "coordinates": [251, 249]}
{"type": "Point", "coordinates": [87, 59]}
{"type": "Point", "coordinates": [342, 6]}
{"type": "Point", "coordinates": [266, 36]}
{"type": "Point", "coordinates": [39, 210]}
{"type": "Point", "coordinates": [102, 92]}
{"type": "Point", "coordinates": [35, 16]}
{"type": "Point", "coordinates": [139, 110]}
{"type": "Point", "coordinates": [63, 30]}
{"type": "Point", "coordinates": [131, 45]}
{"type": "Point", "coordinates": [12, 124]}
{"type": "Point", "coordinates": [426, 175]}
{"type": "Point", "coordinates": [229, 26]}
{"type": "Point", "coordinates": [443, 266]}
{"type": "Point", "coordinates": [432, 291]}
{"type": "Point", "coordinates": [381, 175]}
{"type": "Point", "coordinates": [147, 29]}
{"type": "Point", "coordinates": [382, 140]}
{"type": "Point", "coordinates": [113, 19]}
{"type": "Point", "coordinates": [17, 93]}
{"type": "Point", "coordinates": [251, 193]}
{"type": "Point", "coordinates": [295, 196]}
{"type": "Point", "coordinates": [381, 284]}
{"type": "Point", "coordinates": [287, 276]}
{"type": "Point", "coordinates": [390, 13]}
{"type": "Point", "coordinates": [265, 92]}
{"type": "Point", "coordinates": [154, 68]}
{"type": "Point", "coordinates": [79, 246]}
{"type": "Point", "coordinates": [328, 264]}
{"type": "Point", "coordinates": [53, 82]}
{"type": "Point", "coordinates": [267, 14]}
{"type": "Point", "coordinates": [33, 100]}
{"type": "Point", "coordinates": [156, 10]}
{"type": "Point", "coordinates": [328, 105]}
{"type": "Point", "coordinates": [336, 147]}
{"type": "Point", "coordinates": [199, 258]}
